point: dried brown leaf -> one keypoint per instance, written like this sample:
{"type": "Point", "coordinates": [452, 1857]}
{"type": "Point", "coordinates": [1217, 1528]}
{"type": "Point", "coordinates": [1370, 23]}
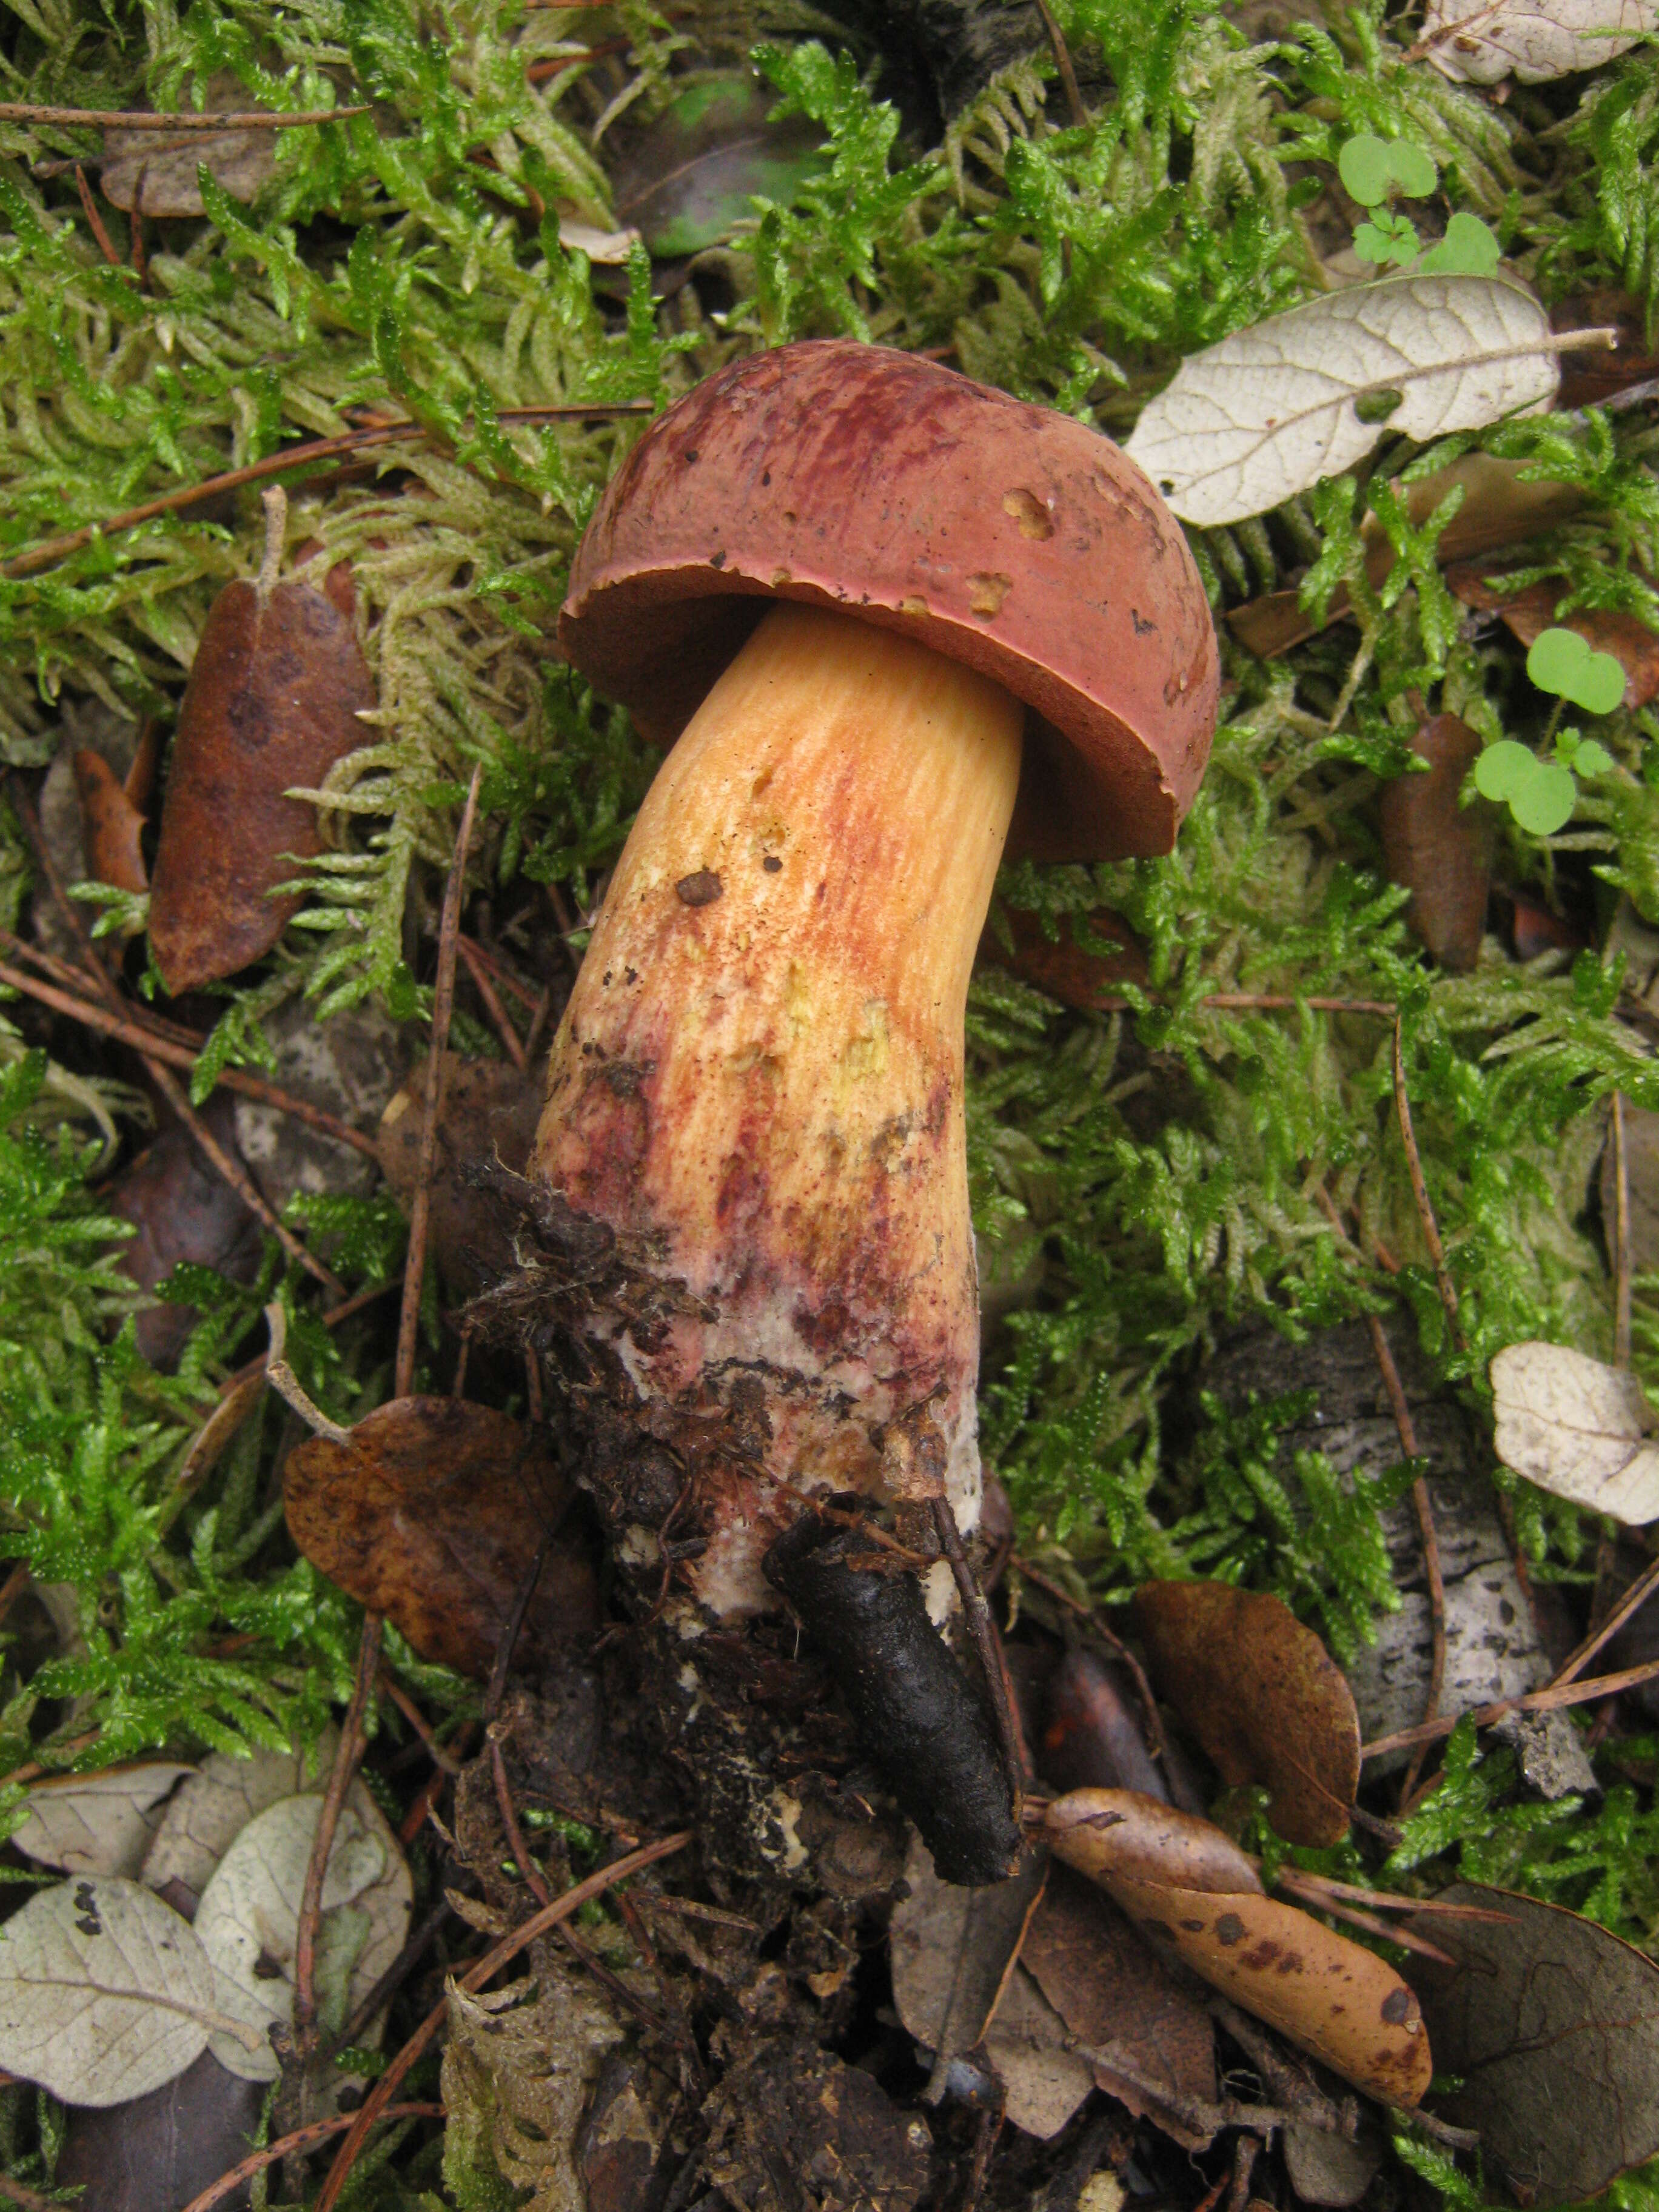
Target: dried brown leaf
{"type": "Point", "coordinates": [1066, 971]}
{"type": "Point", "coordinates": [111, 825]}
{"type": "Point", "coordinates": [157, 2152]}
{"type": "Point", "coordinates": [1110, 1989]}
{"type": "Point", "coordinates": [183, 1209]}
{"type": "Point", "coordinates": [1500, 508]}
{"type": "Point", "coordinates": [1553, 2024]}
{"type": "Point", "coordinates": [1262, 1696]}
{"type": "Point", "coordinates": [1437, 850]}
{"type": "Point", "coordinates": [430, 1512]}
{"type": "Point", "coordinates": [1092, 1737]}
{"type": "Point", "coordinates": [272, 703]}
{"type": "Point", "coordinates": [164, 164]}
{"type": "Point", "coordinates": [954, 1948]}
{"type": "Point", "coordinates": [1109, 1834]}
{"type": "Point", "coordinates": [487, 1110]}
{"type": "Point", "coordinates": [1342, 2005]}
{"type": "Point", "coordinates": [1528, 613]}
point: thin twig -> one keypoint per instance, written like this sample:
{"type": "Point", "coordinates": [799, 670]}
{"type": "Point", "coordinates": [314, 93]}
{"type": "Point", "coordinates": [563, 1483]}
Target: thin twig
{"type": "Point", "coordinates": [100, 119]}
{"type": "Point", "coordinates": [1356, 1915]}
{"type": "Point", "coordinates": [418, 1720]}
{"type": "Point", "coordinates": [1621, 1268]}
{"type": "Point", "coordinates": [1423, 1508]}
{"type": "Point", "coordinates": [482, 1971]}
{"type": "Point", "coordinates": [493, 1007]}
{"type": "Point", "coordinates": [1420, 1190]}
{"type": "Point", "coordinates": [1637, 1596]}
{"type": "Point", "coordinates": [1535, 1701]}
{"type": "Point", "coordinates": [310, 454]}
{"type": "Point", "coordinates": [443, 1001]}
{"type": "Point", "coordinates": [982, 1631]}
{"type": "Point", "coordinates": [988, 2125]}
{"type": "Point", "coordinates": [287, 1384]}
{"type": "Point", "coordinates": [1062, 54]}
{"type": "Point", "coordinates": [163, 1077]}
{"type": "Point", "coordinates": [1247, 2148]}
{"type": "Point", "coordinates": [495, 1689]}
{"type": "Point", "coordinates": [89, 206]}
{"type": "Point", "coordinates": [302, 2139]}
{"type": "Point", "coordinates": [350, 1750]}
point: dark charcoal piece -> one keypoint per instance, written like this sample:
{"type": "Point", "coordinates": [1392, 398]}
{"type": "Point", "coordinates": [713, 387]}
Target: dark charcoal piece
{"type": "Point", "coordinates": [916, 1712]}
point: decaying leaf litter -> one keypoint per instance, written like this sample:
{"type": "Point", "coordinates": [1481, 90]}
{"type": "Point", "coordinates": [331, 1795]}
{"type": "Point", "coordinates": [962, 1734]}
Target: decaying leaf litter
{"type": "Point", "coordinates": [1269, 1123]}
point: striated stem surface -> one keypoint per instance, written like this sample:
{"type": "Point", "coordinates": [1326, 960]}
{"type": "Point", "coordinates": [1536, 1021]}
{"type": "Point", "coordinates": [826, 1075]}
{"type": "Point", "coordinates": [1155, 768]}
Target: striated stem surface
{"type": "Point", "coordinates": [760, 1071]}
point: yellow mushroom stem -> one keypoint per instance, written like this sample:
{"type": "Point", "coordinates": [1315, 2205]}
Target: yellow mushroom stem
{"type": "Point", "coordinates": [761, 1066]}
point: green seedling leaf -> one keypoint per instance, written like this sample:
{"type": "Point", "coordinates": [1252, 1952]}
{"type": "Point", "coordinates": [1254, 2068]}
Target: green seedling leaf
{"type": "Point", "coordinates": [1502, 768]}
{"type": "Point", "coordinates": [1592, 759]}
{"type": "Point", "coordinates": [1562, 662]}
{"type": "Point", "coordinates": [1362, 165]}
{"type": "Point", "coordinates": [1387, 238]}
{"type": "Point", "coordinates": [1369, 167]}
{"type": "Point", "coordinates": [1544, 803]}
{"type": "Point", "coordinates": [1469, 248]}
{"type": "Point", "coordinates": [1412, 169]}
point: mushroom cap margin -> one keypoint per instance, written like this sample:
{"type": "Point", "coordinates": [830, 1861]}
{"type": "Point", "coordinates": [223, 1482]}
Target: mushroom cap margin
{"type": "Point", "coordinates": [1007, 537]}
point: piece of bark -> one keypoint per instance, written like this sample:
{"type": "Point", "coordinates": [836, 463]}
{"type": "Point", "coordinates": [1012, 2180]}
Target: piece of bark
{"type": "Point", "coordinates": [183, 1209]}
{"type": "Point", "coordinates": [1492, 1649]}
{"type": "Point", "coordinates": [1441, 852]}
{"type": "Point", "coordinates": [272, 703]}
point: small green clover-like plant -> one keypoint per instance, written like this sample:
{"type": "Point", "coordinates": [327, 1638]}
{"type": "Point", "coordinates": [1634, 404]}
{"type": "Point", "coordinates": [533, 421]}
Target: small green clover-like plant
{"type": "Point", "coordinates": [1376, 170]}
{"type": "Point", "coordinates": [1539, 795]}
{"type": "Point", "coordinates": [1563, 662]}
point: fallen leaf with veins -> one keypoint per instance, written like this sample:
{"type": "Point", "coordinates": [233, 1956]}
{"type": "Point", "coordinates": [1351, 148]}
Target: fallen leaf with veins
{"type": "Point", "coordinates": [157, 2152]}
{"type": "Point", "coordinates": [1110, 1989]}
{"type": "Point", "coordinates": [211, 1807]}
{"type": "Point", "coordinates": [1577, 1428]}
{"type": "Point", "coordinates": [1551, 2023]}
{"type": "Point", "coordinates": [1270, 411]}
{"type": "Point", "coordinates": [430, 1512]}
{"type": "Point", "coordinates": [248, 1922]}
{"type": "Point", "coordinates": [101, 1823]}
{"type": "Point", "coordinates": [1475, 42]}
{"type": "Point", "coordinates": [106, 1993]}
{"type": "Point", "coordinates": [1262, 1696]}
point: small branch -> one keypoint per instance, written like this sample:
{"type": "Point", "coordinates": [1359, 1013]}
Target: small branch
{"type": "Point", "coordinates": [287, 1384]}
{"type": "Point", "coordinates": [161, 1076]}
{"type": "Point", "coordinates": [90, 207]}
{"type": "Point", "coordinates": [1636, 1596]}
{"type": "Point", "coordinates": [493, 1007]}
{"type": "Point", "coordinates": [1062, 54]}
{"type": "Point", "coordinates": [100, 119]}
{"type": "Point", "coordinates": [1420, 1190]}
{"type": "Point", "coordinates": [310, 454]}
{"type": "Point", "coordinates": [443, 1001]}
{"type": "Point", "coordinates": [1535, 1701]}
{"type": "Point", "coordinates": [445, 1760]}
{"type": "Point", "coordinates": [1197, 2114]}
{"type": "Point", "coordinates": [352, 1737]}
{"type": "Point", "coordinates": [302, 2139]}
{"type": "Point", "coordinates": [483, 1970]}
{"type": "Point", "coordinates": [19, 2192]}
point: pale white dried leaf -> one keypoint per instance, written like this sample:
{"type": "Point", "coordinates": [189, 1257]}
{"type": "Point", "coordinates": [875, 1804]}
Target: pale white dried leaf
{"type": "Point", "coordinates": [1251, 422]}
{"type": "Point", "coordinates": [106, 1993]}
{"type": "Point", "coordinates": [612, 247]}
{"type": "Point", "coordinates": [1478, 41]}
{"type": "Point", "coordinates": [216, 1804]}
{"type": "Point", "coordinates": [249, 1917]}
{"type": "Point", "coordinates": [97, 1823]}
{"type": "Point", "coordinates": [1579, 1429]}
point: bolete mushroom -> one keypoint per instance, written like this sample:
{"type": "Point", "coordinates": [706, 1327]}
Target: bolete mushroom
{"type": "Point", "coordinates": [879, 613]}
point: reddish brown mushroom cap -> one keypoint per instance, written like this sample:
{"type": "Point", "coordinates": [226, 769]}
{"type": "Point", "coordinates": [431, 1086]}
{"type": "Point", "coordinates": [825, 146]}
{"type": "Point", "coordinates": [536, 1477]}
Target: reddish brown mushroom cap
{"type": "Point", "coordinates": [1004, 536]}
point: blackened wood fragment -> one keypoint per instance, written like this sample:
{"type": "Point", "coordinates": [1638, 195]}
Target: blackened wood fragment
{"type": "Point", "coordinates": [915, 1709]}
